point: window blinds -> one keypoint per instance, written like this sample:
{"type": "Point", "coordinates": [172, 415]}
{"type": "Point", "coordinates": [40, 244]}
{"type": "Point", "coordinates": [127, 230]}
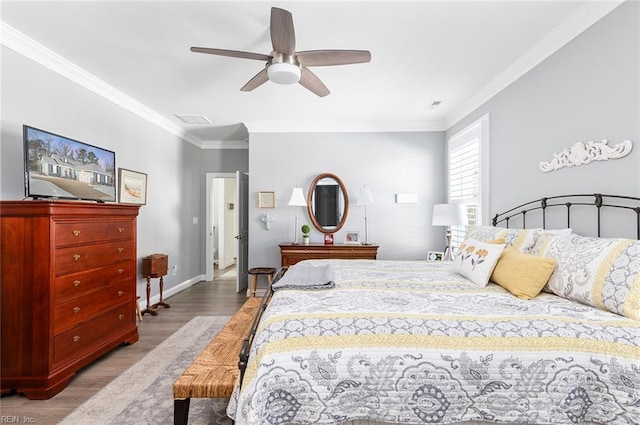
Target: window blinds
{"type": "Point", "coordinates": [464, 182]}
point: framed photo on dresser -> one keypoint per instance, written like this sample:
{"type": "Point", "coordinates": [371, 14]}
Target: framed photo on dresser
{"type": "Point", "coordinates": [352, 238]}
{"type": "Point", "coordinates": [435, 255]}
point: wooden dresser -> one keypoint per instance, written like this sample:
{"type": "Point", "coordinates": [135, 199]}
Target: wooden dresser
{"type": "Point", "coordinates": [68, 289]}
{"type": "Point", "coordinates": [291, 254]}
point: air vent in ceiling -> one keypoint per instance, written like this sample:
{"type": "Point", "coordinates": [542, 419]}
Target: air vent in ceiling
{"type": "Point", "coordinates": [193, 119]}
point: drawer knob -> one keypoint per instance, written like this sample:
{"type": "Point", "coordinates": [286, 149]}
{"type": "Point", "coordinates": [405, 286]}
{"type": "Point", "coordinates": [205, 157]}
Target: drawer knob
{"type": "Point", "coordinates": [120, 229]}
{"type": "Point", "coordinates": [120, 249]}
{"type": "Point", "coordinates": [120, 271]}
{"type": "Point", "coordinates": [120, 293]}
{"type": "Point", "coordinates": [76, 282]}
{"type": "Point", "coordinates": [76, 338]}
{"type": "Point", "coordinates": [76, 309]}
{"type": "Point", "coordinates": [120, 316]}
{"type": "Point", "coordinates": [76, 232]}
{"type": "Point", "coordinates": [76, 257]}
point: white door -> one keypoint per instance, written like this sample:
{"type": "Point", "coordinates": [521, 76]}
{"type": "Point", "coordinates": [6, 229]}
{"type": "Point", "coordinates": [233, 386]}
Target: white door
{"type": "Point", "coordinates": [242, 266]}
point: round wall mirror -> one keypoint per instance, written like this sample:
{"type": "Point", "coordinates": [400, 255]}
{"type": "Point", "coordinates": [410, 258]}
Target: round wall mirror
{"type": "Point", "coordinates": [328, 203]}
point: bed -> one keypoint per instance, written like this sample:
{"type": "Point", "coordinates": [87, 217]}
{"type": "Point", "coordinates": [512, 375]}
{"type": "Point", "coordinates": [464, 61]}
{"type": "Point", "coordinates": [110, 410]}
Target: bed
{"type": "Point", "coordinates": [428, 342]}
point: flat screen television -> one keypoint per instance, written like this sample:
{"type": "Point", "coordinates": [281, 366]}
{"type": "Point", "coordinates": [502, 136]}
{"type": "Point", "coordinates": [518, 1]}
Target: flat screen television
{"type": "Point", "coordinates": [59, 167]}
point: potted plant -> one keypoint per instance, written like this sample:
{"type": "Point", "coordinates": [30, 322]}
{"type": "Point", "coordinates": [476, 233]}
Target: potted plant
{"type": "Point", "coordinates": [305, 234]}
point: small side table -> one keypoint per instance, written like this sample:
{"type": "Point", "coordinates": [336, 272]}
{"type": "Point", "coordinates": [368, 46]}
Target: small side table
{"type": "Point", "coordinates": [258, 271]}
{"type": "Point", "coordinates": [155, 266]}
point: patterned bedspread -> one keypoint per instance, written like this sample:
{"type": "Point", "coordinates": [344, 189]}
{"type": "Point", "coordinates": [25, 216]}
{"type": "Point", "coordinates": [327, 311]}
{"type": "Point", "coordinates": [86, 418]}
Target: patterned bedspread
{"type": "Point", "coordinates": [414, 343]}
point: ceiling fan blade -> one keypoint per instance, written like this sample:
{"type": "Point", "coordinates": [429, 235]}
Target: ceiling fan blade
{"type": "Point", "coordinates": [283, 37]}
{"type": "Point", "coordinates": [310, 81]}
{"type": "Point", "coordinates": [333, 57]}
{"type": "Point", "coordinates": [231, 53]}
{"type": "Point", "coordinates": [259, 79]}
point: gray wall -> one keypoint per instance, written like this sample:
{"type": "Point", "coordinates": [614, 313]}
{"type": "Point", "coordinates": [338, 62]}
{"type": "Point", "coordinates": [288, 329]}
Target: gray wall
{"type": "Point", "coordinates": [34, 95]}
{"type": "Point", "coordinates": [389, 163]}
{"type": "Point", "coordinates": [588, 90]}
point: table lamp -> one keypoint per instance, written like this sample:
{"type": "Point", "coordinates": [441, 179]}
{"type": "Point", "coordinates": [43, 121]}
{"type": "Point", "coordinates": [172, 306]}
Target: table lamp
{"type": "Point", "coordinates": [365, 198]}
{"type": "Point", "coordinates": [449, 215]}
{"type": "Point", "coordinates": [297, 200]}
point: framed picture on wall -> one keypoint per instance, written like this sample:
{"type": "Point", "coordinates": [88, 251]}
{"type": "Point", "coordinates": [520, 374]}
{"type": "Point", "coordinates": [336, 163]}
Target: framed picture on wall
{"type": "Point", "coordinates": [266, 200]}
{"type": "Point", "coordinates": [132, 188]}
{"type": "Point", "coordinates": [352, 238]}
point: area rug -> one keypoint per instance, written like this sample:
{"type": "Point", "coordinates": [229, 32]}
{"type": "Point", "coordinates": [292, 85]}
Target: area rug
{"type": "Point", "coordinates": [143, 394]}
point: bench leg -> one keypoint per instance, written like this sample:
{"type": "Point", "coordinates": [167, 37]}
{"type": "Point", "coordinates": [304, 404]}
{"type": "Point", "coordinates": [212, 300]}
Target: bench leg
{"type": "Point", "coordinates": [181, 411]}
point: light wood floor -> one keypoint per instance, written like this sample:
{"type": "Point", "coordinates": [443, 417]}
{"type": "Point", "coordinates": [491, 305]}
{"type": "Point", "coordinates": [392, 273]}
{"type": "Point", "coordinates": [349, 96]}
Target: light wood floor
{"type": "Point", "coordinates": [216, 298]}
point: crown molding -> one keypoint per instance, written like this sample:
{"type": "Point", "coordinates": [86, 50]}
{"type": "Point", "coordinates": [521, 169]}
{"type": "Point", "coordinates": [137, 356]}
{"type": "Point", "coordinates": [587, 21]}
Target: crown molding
{"type": "Point", "coordinates": [590, 13]}
{"type": "Point", "coordinates": [20, 43]}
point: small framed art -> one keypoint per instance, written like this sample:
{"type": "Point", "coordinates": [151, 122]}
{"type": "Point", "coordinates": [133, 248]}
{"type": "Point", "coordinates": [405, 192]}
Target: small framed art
{"type": "Point", "coordinates": [352, 238]}
{"type": "Point", "coordinates": [132, 187]}
{"type": "Point", "coordinates": [435, 255]}
{"type": "Point", "coordinates": [266, 200]}
{"type": "Point", "coordinates": [328, 238]}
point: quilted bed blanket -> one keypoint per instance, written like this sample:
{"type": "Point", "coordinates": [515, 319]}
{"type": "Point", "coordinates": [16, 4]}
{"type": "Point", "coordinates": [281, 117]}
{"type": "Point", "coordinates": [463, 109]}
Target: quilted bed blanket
{"type": "Point", "coordinates": [414, 342]}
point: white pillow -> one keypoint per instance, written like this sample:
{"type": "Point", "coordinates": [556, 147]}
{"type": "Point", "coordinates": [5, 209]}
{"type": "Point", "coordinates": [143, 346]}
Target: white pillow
{"type": "Point", "coordinates": [476, 260]}
{"type": "Point", "coordinates": [521, 239]}
{"type": "Point", "coordinates": [602, 272]}
{"type": "Point", "coordinates": [559, 232]}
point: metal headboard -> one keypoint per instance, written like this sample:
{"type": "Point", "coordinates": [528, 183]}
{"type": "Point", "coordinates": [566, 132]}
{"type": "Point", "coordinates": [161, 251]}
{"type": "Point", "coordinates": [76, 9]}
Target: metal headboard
{"type": "Point", "coordinates": [598, 200]}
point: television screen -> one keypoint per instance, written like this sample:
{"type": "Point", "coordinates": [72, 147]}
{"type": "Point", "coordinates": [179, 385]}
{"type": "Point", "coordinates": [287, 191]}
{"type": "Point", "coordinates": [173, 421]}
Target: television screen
{"type": "Point", "coordinates": [60, 167]}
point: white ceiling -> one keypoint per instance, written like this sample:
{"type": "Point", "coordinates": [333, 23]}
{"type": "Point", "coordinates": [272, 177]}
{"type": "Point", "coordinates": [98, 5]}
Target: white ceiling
{"type": "Point", "coordinates": [457, 52]}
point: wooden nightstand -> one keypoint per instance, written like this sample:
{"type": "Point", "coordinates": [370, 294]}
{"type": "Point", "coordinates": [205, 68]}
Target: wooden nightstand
{"type": "Point", "coordinates": [155, 266]}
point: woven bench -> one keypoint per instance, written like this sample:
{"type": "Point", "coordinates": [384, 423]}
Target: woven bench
{"type": "Point", "coordinates": [215, 371]}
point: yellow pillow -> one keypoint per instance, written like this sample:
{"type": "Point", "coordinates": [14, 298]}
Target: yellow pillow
{"type": "Point", "coordinates": [523, 275]}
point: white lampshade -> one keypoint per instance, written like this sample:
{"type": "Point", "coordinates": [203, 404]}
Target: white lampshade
{"type": "Point", "coordinates": [297, 198]}
{"type": "Point", "coordinates": [449, 215]}
{"type": "Point", "coordinates": [365, 197]}
{"type": "Point", "coordinates": [284, 73]}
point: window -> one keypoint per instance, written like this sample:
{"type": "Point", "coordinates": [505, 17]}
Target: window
{"type": "Point", "coordinates": [468, 176]}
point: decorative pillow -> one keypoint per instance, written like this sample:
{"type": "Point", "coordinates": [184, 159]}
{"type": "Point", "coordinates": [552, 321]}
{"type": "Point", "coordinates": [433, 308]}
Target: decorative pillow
{"type": "Point", "coordinates": [601, 272]}
{"type": "Point", "coordinates": [475, 260]}
{"type": "Point", "coordinates": [521, 239]}
{"type": "Point", "coordinates": [559, 232]}
{"type": "Point", "coordinates": [523, 275]}
{"type": "Point", "coordinates": [544, 238]}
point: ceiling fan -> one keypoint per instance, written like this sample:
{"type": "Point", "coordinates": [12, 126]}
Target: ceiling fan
{"type": "Point", "coordinates": [286, 66]}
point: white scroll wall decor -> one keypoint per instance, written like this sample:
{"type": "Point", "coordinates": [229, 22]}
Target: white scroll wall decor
{"type": "Point", "coordinates": [584, 153]}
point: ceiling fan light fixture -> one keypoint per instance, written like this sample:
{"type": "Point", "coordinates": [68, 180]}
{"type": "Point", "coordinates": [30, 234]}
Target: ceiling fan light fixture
{"type": "Point", "coordinates": [284, 73]}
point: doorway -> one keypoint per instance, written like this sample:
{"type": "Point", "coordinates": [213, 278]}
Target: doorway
{"type": "Point", "coordinates": [224, 205]}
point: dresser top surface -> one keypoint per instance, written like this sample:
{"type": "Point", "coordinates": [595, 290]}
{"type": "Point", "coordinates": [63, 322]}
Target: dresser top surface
{"type": "Point", "coordinates": [322, 245]}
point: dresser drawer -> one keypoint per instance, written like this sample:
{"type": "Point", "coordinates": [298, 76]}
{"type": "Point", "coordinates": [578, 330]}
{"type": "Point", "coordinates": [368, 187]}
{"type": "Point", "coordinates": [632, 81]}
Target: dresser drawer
{"type": "Point", "coordinates": [83, 283]}
{"type": "Point", "coordinates": [292, 254]}
{"type": "Point", "coordinates": [71, 233]}
{"type": "Point", "coordinates": [81, 258]}
{"type": "Point", "coordinates": [69, 313]}
{"type": "Point", "coordinates": [77, 341]}
{"type": "Point", "coordinates": [358, 252]}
